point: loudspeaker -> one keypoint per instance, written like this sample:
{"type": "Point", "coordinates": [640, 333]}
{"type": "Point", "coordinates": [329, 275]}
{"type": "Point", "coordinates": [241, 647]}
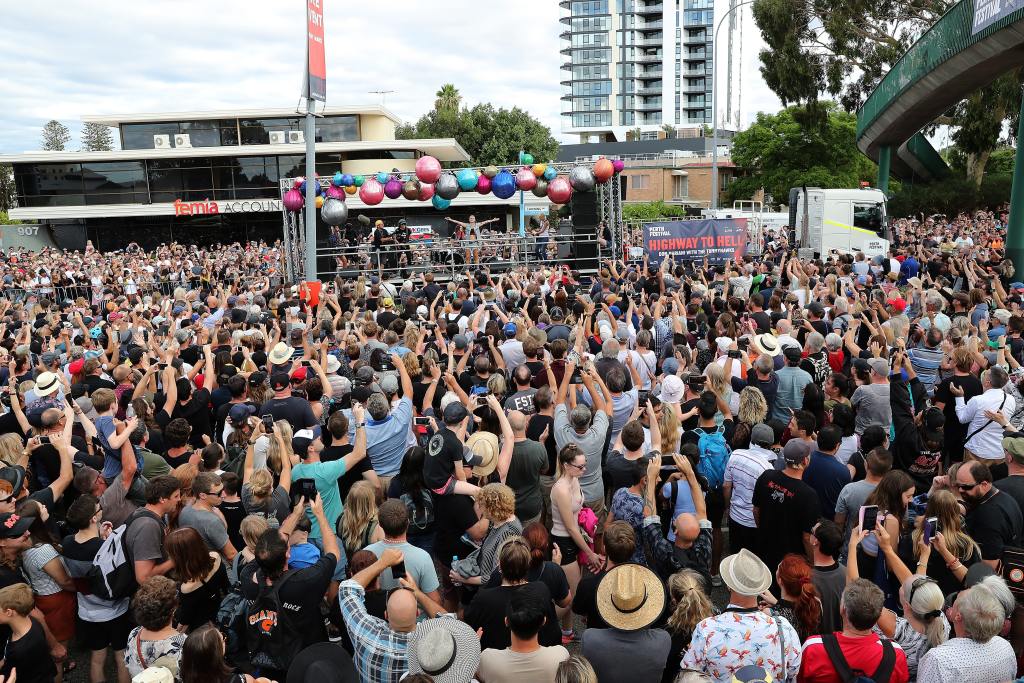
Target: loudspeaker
{"type": "Point", "coordinates": [583, 249]}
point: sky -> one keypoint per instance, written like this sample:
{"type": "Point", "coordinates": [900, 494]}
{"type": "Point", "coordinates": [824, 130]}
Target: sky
{"type": "Point", "coordinates": [76, 57]}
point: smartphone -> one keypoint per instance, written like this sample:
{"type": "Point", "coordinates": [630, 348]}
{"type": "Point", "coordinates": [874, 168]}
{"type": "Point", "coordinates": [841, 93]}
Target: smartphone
{"type": "Point", "coordinates": [931, 525]}
{"type": "Point", "coordinates": [868, 517]}
{"type": "Point", "coordinates": [304, 363]}
{"type": "Point", "coordinates": [386, 365]}
{"type": "Point", "coordinates": [161, 366]}
{"type": "Point", "coordinates": [641, 398]}
{"type": "Point", "coordinates": [268, 422]}
{"type": "Point", "coordinates": [43, 440]}
{"type": "Point", "coordinates": [306, 488]}
{"type": "Point", "coordinates": [398, 570]}
{"type": "Point", "coordinates": [421, 421]}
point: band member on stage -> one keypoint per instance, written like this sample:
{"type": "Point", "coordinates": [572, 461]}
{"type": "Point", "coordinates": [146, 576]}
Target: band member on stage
{"type": "Point", "coordinates": [471, 236]}
{"type": "Point", "coordinates": [380, 240]}
{"type": "Point", "coordinates": [541, 233]}
{"type": "Point", "coordinates": [401, 237]}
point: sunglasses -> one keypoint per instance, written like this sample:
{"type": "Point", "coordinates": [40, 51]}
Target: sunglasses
{"type": "Point", "coordinates": [967, 487]}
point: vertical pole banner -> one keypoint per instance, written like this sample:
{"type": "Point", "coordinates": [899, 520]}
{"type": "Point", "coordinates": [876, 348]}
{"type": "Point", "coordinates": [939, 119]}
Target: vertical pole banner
{"type": "Point", "coordinates": [717, 240]}
{"type": "Point", "coordinates": [316, 61]}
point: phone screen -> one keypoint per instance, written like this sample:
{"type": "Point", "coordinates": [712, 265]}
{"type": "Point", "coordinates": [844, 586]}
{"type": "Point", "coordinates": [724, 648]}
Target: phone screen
{"type": "Point", "coordinates": [398, 570]}
{"type": "Point", "coordinates": [931, 525]}
{"type": "Point", "coordinates": [868, 517]}
{"type": "Point", "coordinates": [268, 421]}
{"type": "Point", "coordinates": [307, 488]}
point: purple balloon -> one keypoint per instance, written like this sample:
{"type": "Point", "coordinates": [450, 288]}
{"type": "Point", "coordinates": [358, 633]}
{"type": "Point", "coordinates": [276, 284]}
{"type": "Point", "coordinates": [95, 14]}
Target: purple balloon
{"type": "Point", "coordinates": [483, 185]}
{"type": "Point", "coordinates": [293, 200]}
{"type": "Point", "coordinates": [618, 165]}
{"type": "Point", "coordinates": [393, 189]}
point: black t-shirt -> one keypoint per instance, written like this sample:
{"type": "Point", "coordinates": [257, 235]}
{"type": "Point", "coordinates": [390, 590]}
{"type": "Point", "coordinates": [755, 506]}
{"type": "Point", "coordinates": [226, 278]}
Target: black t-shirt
{"type": "Point", "coordinates": [995, 524]}
{"type": "Point", "coordinates": [353, 474]}
{"type": "Point", "coordinates": [301, 595]}
{"type": "Point", "coordinates": [30, 656]}
{"type": "Point", "coordinates": [860, 470]}
{"type": "Point", "coordinates": [954, 431]}
{"type": "Point", "coordinates": [584, 602]}
{"type": "Point", "coordinates": [691, 422]}
{"type": "Point", "coordinates": [295, 411]}
{"type": "Point", "coordinates": [95, 382]}
{"type": "Point", "coordinates": [197, 412]}
{"type": "Point", "coordinates": [487, 611]}
{"type": "Point", "coordinates": [538, 423]}
{"type": "Point", "coordinates": [788, 507]}
{"type": "Point", "coordinates": [763, 320]}
{"type": "Point", "coordinates": [199, 607]}
{"type": "Point", "coordinates": [1014, 487]}
{"type": "Point", "coordinates": [453, 516]}
{"type": "Point", "coordinates": [234, 513]}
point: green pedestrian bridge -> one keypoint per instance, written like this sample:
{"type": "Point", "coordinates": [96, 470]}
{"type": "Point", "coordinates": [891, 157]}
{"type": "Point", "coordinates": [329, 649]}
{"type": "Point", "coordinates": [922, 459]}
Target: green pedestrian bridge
{"type": "Point", "coordinates": [975, 42]}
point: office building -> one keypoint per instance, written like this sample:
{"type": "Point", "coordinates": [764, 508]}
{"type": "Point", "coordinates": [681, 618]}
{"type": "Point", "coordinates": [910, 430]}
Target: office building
{"type": "Point", "coordinates": [636, 64]}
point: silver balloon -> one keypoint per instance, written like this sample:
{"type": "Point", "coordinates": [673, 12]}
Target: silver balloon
{"type": "Point", "coordinates": [491, 171]}
{"type": "Point", "coordinates": [582, 179]}
{"type": "Point", "coordinates": [447, 187]}
{"type": "Point", "coordinates": [334, 211]}
{"type": "Point", "coordinates": [541, 188]}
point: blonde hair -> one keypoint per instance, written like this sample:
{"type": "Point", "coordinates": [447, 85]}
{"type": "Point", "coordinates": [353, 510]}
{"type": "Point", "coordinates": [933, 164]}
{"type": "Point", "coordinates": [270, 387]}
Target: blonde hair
{"type": "Point", "coordinates": [716, 381]}
{"type": "Point", "coordinates": [261, 482]}
{"type": "Point", "coordinates": [11, 447]}
{"type": "Point", "coordinates": [252, 527]}
{"type": "Point", "coordinates": [670, 430]}
{"type": "Point", "coordinates": [575, 669]}
{"type": "Point", "coordinates": [274, 452]}
{"type": "Point", "coordinates": [360, 510]}
{"type": "Point", "coordinates": [943, 504]}
{"type": "Point", "coordinates": [753, 407]}
{"type": "Point", "coordinates": [17, 597]}
{"type": "Point", "coordinates": [497, 502]}
{"type": "Point", "coordinates": [185, 474]}
{"type": "Point", "coordinates": [690, 604]}
{"type": "Point", "coordinates": [412, 364]}
{"type": "Point", "coordinates": [496, 384]}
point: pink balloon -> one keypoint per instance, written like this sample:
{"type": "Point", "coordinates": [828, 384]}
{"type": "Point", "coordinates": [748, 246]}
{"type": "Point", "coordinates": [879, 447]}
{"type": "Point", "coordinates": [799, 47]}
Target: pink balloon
{"type": "Point", "coordinates": [559, 190]}
{"type": "Point", "coordinates": [335, 192]}
{"type": "Point", "coordinates": [618, 165]}
{"type": "Point", "coordinates": [525, 180]}
{"type": "Point", "coordinates": [426, 192]}
{"type": "Point", "coordinates": [371, 192]}
{"type": "Point", "coordinates": [483, 184]}
{"type": "Point", "coordinates": [293, 200]}
{"type": "Point", "coordinates": [428, 169]}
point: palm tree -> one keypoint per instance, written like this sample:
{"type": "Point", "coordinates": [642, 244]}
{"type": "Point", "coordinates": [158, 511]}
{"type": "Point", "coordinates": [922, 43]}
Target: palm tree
{"type": "Point", "coordinates": [669, 130]}
{"type": "Point", "coordinates": [448, 98]}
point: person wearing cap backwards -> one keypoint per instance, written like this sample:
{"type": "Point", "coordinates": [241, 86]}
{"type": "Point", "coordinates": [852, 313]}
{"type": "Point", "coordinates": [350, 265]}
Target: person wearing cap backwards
{"type": "Point", "coordinates": [743, 635]}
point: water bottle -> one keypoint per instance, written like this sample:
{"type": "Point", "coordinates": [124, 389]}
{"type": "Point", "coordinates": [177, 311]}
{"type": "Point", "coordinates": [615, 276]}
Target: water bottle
{"type": "Point", "coordinates": [455, 558]}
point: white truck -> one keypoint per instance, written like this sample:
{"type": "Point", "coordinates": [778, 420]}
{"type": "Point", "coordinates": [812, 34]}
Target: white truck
{"type": "Point", "coordinates": [848, 221]}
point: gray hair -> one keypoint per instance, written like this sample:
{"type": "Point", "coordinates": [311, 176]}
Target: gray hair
{"type": "Point", "coordinates": [862, 604]}
{"type": "Point", "coordinates": [981, 612]}
{"type": "Point", "coordinates": [580, 417]}
{"type": "Point", "coordinates": [935, 300]}
{"type": "Point", "coordinates": [997, 377]}
{"type": "Point", "coordinates": [997, 586]}
{"type": "Point", "coordinates": [815, 341]}
{"type": "Point", "coordinates": [833, 341]}
{"type": "Point", "coordinates": [377, 406]}
{"type": "Point", "coordinates": [610, 349]}
{"type": "Point", "coordinates": [764, 364]}
{"type": "Point", "coordinates": [926, 606]}
{"type": "Point", "coordinates": [840, 307]}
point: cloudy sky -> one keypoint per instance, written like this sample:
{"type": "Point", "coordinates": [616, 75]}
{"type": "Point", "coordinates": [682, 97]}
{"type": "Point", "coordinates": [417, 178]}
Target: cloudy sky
{"type": "Point", "coordinates": [63, 60]}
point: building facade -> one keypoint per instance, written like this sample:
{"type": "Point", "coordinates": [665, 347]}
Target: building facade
{"type": "Point", "coordinates": [208, 177]}
{"type": "Point", "coordinates": [635, 64]}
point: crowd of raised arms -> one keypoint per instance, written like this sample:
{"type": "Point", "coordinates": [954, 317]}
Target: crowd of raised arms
{"type": "Point", "coordinates": [771, 469]}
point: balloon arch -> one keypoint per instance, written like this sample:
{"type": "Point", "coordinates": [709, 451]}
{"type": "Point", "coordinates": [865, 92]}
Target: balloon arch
{"type": "Point", "coordinates": [429, 182]}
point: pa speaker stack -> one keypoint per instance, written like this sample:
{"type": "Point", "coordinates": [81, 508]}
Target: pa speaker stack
{"type": "Point", "coordinates": [583, 248]}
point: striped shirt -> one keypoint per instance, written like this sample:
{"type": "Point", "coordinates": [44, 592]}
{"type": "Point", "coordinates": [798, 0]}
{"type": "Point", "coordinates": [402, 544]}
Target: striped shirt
{"type": "Point", "coordinates": [744, 467]}
{"type": "Point", "coordinates": [927, 363]}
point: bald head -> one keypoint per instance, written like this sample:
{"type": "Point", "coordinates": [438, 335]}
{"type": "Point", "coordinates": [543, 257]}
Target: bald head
{"type": "Point", "coordinates": [687, 529]}
{"type": "Point", "coordinates": [50, 417]}
{"type": "Point", "coordinates": [518, 422]}
{"type": "Point", "coordinates": [401, 611]}
{"type": "Point", "coordinates": [784, 326]}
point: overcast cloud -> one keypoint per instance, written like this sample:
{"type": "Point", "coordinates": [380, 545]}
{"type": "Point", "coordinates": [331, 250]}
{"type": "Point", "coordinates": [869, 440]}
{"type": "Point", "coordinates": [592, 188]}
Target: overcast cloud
{"type": "Point", "coordinates": [76, 57]}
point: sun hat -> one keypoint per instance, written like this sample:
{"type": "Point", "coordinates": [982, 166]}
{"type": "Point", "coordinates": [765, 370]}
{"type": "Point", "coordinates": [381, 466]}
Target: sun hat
{"type": "Point", "coordinates": [745, 574]}
{"type": "Point", "coordinates": [767, 344]}
{"type": "Point", "coordinates": [280, 354]}
{"type": "Point", "coordinates": [333, 365]}
{"type": "Point", "coordinates": [672, 389]}
{"type": "Point", "coordinates": [46, 384]}
{"type": "Point", "coordinates": [724, 343]}
{"type": "Point", "coordinates": [155, 674]}
{"type": "Point", "coordinates": [445, 649]}
{"type": "Point", "coordinates": [630, 597]}
{"type": "Point", "coordinates": [485, 445]}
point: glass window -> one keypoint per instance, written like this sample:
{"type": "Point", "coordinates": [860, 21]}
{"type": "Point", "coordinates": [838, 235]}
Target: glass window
{"type": "Point", "coordinates": [118, 176]}
{"type": "Point", "coordinates": [337, 129]}
{"type": "Point", "coordinates": [639, 182]}
{"type": "Point", "coordinates": [257, 131]}
{"type": "Point", "coordinates": [869, 216]}
{"type": "Point", "coordinates": [680, 187]}
{"type": "Point", "coordinates": [140, 135]}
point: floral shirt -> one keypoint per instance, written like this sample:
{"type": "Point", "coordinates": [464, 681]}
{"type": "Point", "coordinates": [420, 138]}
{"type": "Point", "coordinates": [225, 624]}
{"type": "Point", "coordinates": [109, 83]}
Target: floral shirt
{"type": "Point", "coordinates": [725, 643]}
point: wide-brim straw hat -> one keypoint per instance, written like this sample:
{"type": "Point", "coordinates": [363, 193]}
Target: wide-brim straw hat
{"type": "Point", "coordinates": [745, 574]}
{"type": "Point", "coordinates": [630, 597]}
{"type": "Point", "coordinates": [767, 344]}
{"type": "Point", "coordinates": [444, 648]}
{"type": "Point", "coordinates": [484, 444]}
{"type": "Point", "coordinates": [280, 354]}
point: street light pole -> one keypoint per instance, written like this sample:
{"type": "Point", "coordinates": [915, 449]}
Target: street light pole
{"type": "Point", "coordinates": [714, 101]}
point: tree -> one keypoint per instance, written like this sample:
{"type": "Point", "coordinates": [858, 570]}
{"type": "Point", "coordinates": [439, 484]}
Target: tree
{"type": "Point", "coordinates": [448, 98]}
{"type": "Point", "coordinates": [845, 47]}
{"type": "Point", "coordinates": [6, 187]}
{"type": "Point", "coordinates": [489, 136]}
{"type": "Point", "coordinates": [96, 138]}
{"type": "Point", "coordinates": [55, 136]}
{"type": "Point", "coordinates": [781, 151]}
{"type": "Point", "coordinates": [651, 211]}
{"type": "Point", "coordinates": [669, 130]}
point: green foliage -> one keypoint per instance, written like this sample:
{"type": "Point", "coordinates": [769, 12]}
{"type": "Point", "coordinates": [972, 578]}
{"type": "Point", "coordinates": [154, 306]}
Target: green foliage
{"type": "Point", "coordinates": [651, 211]}
{"type": "Point", "coordinates": [97, 138]}
{"type": "Point", "coordinates": [784, 150]}
{"type": "Point", "coordinates": [6, 187]}
{"type": "Point", "coordinates": [55, 136]}
{"type": "Point", "coordinates": [490, 136]}
{"type": "Point", "coordinates": [4, 220]}
{"type": "Point", "coordinates": [951, 196]}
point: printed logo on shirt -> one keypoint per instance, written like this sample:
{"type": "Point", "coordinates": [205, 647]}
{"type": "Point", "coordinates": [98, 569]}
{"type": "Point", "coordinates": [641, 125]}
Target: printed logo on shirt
{"type": "Point", "coordinates": [435, 445]}
{"type": "Point", "coordinates": [265, 620]}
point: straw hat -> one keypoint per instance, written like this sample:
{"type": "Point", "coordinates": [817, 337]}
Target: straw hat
{"type": "Point", "coordinates": [444, 648]}
{"type": "Point", "coordinates": [486, 446]}
{"type": "Point", "coordinates": [767, 344]}
{"type": "Point", "coordinates": [46, 384]}
{"type": "Point", "coordinates": [745, 574]}
{"type": "Point", "coordinates": [630, 597]}
{"type": "Point", "coordinates": [280, 354]}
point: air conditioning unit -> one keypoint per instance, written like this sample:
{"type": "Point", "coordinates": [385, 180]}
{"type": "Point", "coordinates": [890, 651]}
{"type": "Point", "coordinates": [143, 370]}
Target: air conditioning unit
{"type": "Point", "coordinates": [182, 140]}
{"type": "Point", "coordinates": [161, 141]}
{"type": "Point", "coordinates": [278, 137]}
{"type": "Point", "coordinates": [296, 136]}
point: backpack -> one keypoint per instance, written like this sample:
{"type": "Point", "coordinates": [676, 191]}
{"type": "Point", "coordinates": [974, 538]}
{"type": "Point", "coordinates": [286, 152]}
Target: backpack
{"type": "Point", "coordinates": [419, 522]}
{"type": "Point", "coordinates": [835, 655]}
{"type": "Point", "coordinates": [112, 575]}
{"type": "Point", "coordinates": [714, 455]}
{"type": "Point", "coordinates": [234, 460]}
{"type": "Point", "coordinates": [271, 637]}
{"type": "Point", "coordinates": [230, 618]}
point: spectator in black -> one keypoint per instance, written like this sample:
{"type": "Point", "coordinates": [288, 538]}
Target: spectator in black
{"type": "Point", "coordinates": [993, 519]}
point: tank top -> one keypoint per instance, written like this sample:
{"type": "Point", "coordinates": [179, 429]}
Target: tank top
{"type": "Point", "coordinates": [557, 526]}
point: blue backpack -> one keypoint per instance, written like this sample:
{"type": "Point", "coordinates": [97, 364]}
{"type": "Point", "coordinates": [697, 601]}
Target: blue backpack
{"type": "Point", "coordinates": [714, 455]}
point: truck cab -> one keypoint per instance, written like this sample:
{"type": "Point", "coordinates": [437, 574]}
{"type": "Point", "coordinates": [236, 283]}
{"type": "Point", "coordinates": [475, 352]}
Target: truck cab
{"type": "Point", "coordinates": [848, 221]}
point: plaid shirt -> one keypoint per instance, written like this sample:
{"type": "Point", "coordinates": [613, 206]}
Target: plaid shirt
{"type": "Point", "coordinates": [380, 652]}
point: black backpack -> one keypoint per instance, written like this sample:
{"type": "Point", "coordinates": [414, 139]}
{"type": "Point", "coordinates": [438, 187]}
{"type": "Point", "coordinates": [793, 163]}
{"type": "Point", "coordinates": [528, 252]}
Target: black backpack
{"type": "Point", "coordinates": [112, 575]}
{"type": "Point", "coordinates": [882, 674]}
{"type": "Point", "coordinates": [271, 636]}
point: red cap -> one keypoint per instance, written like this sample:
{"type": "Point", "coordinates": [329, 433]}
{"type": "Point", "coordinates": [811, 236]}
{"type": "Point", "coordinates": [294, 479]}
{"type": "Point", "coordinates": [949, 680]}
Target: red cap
{"type": "Point", "coordinates": [75, 367]}
{"type": "Point", "coordinates": [299, 373]}
{"type": "Point", "coordinates": [899, 304]}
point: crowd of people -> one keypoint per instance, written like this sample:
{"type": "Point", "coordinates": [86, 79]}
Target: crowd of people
{"type": "Point", "coordinates": [771, 469]}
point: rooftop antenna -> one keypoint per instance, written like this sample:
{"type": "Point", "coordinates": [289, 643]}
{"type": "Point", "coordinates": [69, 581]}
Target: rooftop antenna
{"type": "Point", "coordinates": [383, 94]}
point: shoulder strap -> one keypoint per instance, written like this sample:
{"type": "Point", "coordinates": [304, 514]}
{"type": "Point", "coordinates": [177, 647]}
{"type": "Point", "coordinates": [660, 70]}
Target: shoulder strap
{"type": "Point", "coordinates": [888, 663]}
{"type": "Point", "coordinates": [984, 426]}
{"type": "Point", "coordinates": [835, 655]}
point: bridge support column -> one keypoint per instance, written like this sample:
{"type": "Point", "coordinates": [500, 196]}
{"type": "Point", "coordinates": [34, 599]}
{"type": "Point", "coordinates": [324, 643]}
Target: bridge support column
{"type": "Point", "coordinates": [884, 162]}
{"type": "Point", "coordinates": [1015, 229]}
